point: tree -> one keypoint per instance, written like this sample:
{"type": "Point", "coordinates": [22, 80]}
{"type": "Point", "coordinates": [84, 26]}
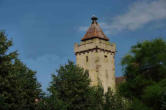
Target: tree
{"type": "Point", "coordinates": [51, 102]}
{"type": "Point", "coordinates": [97, 98]}
{"type": "Point", "coordinates": [163, 101]}
{"type": "Point", "coordinates": [145, 72]}
{"type": "Point", "coordinates": [18, 85]}
{"type": "Point", "coordinates": [113, 101]}
{"type": "Point", "coordinates": [71, 87]}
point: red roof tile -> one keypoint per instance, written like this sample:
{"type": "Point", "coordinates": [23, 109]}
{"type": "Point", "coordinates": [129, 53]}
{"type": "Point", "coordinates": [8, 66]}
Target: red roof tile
{"type": "Point", "coordinates": [120, 79]}
{"type": "Point", "coordinates": [94, 31]}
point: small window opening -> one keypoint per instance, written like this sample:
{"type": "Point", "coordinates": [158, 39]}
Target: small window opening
{"type": "Point", "coordinates": [106, 58]}
{"type": "Point", "coordinates": [86, 58]}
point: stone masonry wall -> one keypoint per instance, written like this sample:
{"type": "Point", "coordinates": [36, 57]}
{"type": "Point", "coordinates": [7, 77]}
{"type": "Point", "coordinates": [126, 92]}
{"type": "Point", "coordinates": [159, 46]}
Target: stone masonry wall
{"type": "Point", "coordinates": [97, 56]}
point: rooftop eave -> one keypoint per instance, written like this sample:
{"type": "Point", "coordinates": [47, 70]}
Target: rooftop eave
{"type": "Point", "coordinates": [84, 39]}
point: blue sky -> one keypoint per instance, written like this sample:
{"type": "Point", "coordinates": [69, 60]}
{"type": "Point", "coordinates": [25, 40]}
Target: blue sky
{"type": "Point", "coordinates": [44, 31]}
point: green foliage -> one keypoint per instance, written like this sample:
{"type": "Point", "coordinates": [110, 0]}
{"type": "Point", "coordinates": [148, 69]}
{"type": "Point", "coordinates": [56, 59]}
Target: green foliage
{"type": "Point", "coordinates": [71, 86]}
{"type": "Point", "coordinates": [70, 90]}
{"type": "Point", "coordinates": [146, 59]}
{"type": "Point", "coordinates": [152, 95]}
{"type": "Point", "coordinates": [145, 72]}
{"type": "Point", "coordinates": [97, 98]}
{"type": "Point", "coordinates": [18, 85]}
{"type": "Point", "coordinates": [51, 103]}
{"type": "Point", "coordinates": [113, 101]}
{"type": "Point", "coordinates": [163, 101]}
{"type": "Point", "coordinates": [138, 105]}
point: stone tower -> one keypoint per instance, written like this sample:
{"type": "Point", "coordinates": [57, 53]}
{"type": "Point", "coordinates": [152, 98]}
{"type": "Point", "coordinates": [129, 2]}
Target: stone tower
{"type": "Point", "coordinates": [96, 54]}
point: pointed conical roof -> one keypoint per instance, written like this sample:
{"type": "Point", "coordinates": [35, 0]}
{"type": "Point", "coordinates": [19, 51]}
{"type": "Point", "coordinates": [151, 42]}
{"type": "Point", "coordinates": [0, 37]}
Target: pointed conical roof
{"type": "Point", "coordinates": [94, 31]}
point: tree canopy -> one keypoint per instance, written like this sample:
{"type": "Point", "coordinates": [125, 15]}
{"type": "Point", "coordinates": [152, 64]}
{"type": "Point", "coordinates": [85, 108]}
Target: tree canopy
{"type": "Point", "coordinates": [145, 71]}
{"type": "Point", "coordinates": [71, 86]}
{"type": "Point", "coordinates": [18, 85]}
{"type": "Point", "coordinates": [70, 89]}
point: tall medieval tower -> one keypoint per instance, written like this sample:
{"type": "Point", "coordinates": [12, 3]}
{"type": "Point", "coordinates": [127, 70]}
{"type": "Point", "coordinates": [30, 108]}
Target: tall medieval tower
{"type": "Point", "coordinates": [96, 54]}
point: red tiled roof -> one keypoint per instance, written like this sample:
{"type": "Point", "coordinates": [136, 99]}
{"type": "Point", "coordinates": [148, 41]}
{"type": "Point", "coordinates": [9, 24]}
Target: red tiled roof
{"type": "Point", "coordinates": [120, 79]}
{"type": "Point", "coordinates": [94, 31]}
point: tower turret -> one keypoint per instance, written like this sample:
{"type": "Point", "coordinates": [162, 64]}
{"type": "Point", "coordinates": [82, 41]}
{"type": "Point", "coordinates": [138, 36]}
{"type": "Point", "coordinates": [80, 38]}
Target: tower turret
{"type": "Point", "coordinates": [96, 54]}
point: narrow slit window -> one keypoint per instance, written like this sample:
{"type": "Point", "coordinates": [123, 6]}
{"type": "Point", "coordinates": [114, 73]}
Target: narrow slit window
{"type": "Point", "coordinates": [106, 58]}
{"type": "Point", "coordinates": [87, 59]}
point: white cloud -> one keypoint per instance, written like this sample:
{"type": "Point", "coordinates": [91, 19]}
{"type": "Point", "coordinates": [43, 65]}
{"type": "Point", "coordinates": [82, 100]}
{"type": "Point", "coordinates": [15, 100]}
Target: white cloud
{"type": "Point", "coordinates": [138, 15]}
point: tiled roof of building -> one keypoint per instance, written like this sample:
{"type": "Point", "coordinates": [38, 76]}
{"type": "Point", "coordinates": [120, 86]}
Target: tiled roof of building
{"type": "Point", "coordinates": [120, 79]}
{"type": "Point", "coordinates": [94, 31]}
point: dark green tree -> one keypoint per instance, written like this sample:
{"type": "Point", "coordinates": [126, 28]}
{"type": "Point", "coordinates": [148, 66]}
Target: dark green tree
{"type": "Point", "coordinates": [113, 101]}
{"type": "Point", "coordinates": [145, 71]}
{"type": "Point", "coordinates": [70, 90]}
{"type": "Point", "coordinates": [18, 85]}
{"type": "Point", "coordinates": [163, 101]}
{"type": "Point", "coordinates": [97, 98]}
{"type": "Point", "coordinates": [71, 87]}
{"type": "Point", "coordinates": [51, 102]}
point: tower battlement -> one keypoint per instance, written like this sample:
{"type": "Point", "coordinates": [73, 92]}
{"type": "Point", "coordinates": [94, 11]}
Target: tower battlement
{"type": "Point", "coordinates": [95, 45]}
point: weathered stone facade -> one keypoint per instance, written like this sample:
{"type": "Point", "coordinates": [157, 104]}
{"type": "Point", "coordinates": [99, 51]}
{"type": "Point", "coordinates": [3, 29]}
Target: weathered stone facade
{"type": "Point", "coordinates": [96, 54]}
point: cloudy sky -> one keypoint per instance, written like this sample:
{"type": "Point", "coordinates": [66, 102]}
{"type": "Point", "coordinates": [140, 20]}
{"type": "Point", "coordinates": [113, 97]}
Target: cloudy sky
{"type": "Point", "coordinates": [44, 31]}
